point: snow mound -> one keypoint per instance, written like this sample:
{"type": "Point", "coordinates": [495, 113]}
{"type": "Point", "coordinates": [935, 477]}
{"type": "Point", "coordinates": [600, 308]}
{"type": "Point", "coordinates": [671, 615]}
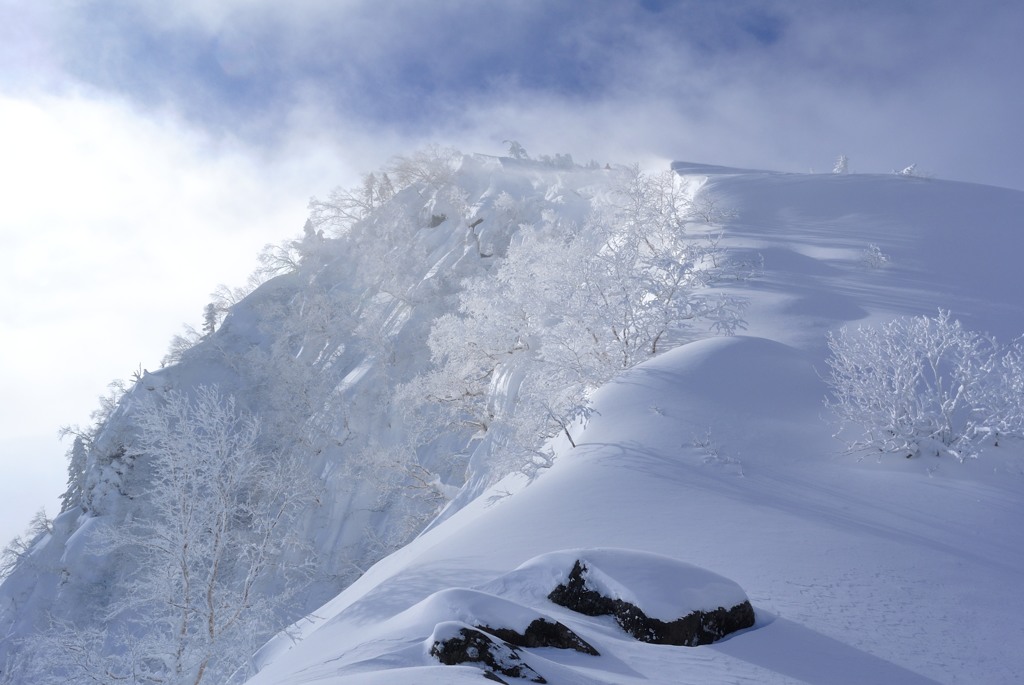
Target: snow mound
{"type": "Point", "coordinates": [687, 402]}
{"type": "Point", "coordinates": [508, 620]}
{"type": "Point", "coordinates": [660, 586]}
{"type": "Point", "coordinates": [474, 608]}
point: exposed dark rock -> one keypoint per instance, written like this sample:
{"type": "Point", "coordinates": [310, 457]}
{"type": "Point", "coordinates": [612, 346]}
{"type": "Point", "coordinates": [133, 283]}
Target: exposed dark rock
{"type": "Point", "coordinates": [477, 647]}
{"type": "Point", "coordinates": [489, 675]}
{"type": "Point", "coordinates": [696, 628]}
{"type": "Point", "coordinates": [574, 594]}
{"type": "Point", "coordinates": [541, 633]}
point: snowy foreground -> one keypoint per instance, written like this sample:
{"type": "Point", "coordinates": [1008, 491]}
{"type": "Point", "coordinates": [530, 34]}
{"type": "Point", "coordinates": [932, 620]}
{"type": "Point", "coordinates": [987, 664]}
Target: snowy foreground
{"type": "Point", "coordinates": [720, 454]}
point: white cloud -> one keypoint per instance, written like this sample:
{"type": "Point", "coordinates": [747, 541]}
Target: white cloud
{"type": "Point", "coordinates": [788, 84]}
{"type": "Point", "coordinates": [115, 227]}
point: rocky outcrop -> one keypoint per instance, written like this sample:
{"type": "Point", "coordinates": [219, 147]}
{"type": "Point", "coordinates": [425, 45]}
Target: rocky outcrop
{"type": "Point", "coordinates": [655, 599]}
{"type": "Point", "coordinates": [465, 645]}
{"type": "Point", "coordinates": [541, 633]}
{"type": "Point", "coordinates": [696, 628]}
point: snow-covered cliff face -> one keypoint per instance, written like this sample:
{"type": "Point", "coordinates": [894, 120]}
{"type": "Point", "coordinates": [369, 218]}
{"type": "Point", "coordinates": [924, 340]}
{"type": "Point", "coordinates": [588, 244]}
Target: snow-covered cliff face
{"type": "Point", "coordinates": [329, 362]}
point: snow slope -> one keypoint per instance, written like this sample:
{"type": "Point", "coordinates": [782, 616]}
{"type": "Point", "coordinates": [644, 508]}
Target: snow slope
{"type": "Point", "coordinates": [720, 454]}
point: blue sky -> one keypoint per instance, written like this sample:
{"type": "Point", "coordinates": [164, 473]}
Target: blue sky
{"type": "Point", "coordinates": [149, 149]}
{"type": "Point", "coordinates": [786, 84]}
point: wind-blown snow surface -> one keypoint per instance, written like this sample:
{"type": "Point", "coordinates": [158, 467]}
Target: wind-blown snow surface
{"type": "Point", "coordinates": [720, 454]}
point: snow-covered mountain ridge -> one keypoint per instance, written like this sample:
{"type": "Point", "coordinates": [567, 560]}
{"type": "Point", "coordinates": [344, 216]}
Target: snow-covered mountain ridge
{"type": "Point", "coordinates": [718, 453]}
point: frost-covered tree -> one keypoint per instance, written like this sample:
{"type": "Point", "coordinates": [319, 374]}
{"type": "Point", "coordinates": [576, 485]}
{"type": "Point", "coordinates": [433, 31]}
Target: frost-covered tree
{"type": "Point", "coordinates": [515, 150]}
{"type": "Point", "coordinates": [209, 562]}
{"type": "Point", "coordinates": [873, 257]}
{"type": "Point", "coordinates": [559, 160]}
{"type": "Point", "coordinates": [398, 484]}
{"type": "Point", "coordinates": [433, 166]}
{"type": "Point", "coordinates": [608, 294]}
{"type": "Point", "coordinates": [344, 207]}
{"type": "Point", "coordinates": [180, 344]}
{"type": "Point", "coordinates": [1001, 399]}
{"type": "Point", "coordinates": [224, 297]}
{"type": "Point", "coordinates": [924, 385]}
{"type": "Point", "coordinates": [20, 547]}
{"type": "Point", "coordinates": [842, 165]}
{"type": "Point", "coordinates": [77, 457]}
{"type": "Point", "coordinates": [211, 317]}
{"type": "Point", "coordinates": [108, 404]}
{"type": "Point", "coordinates": [568, 307]}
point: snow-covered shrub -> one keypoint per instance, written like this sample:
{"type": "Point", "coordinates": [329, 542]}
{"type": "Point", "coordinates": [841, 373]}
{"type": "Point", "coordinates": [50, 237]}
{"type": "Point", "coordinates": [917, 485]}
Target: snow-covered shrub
{"type": "Point", "coordinates": [21, 546]}
{"type": "Point", "coordinates": [346, 206]}
{"type": "Point", "coordinates": [516, 150]}
{"type": "Point", "coordinates": [842, 165]}
{"type": "Point", "coordinates": [924, 385]}
{"type": "Point", "coordinates": [874, 257]}
{"type": "Point", "coordinates": [433, 166]}
{"type": "Point", "coordinates": [709, 209]}
{"type": "Point", "coordinates": [180, 344]}
{"type": "Point", "coordinates": [1004, 399]}
{"type": "Point", "coordinates": [559, 161]}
